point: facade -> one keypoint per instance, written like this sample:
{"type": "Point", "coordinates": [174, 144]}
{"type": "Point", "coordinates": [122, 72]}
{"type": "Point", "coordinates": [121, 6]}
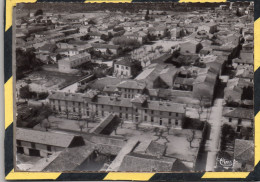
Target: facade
{"type": "Point", "coordinates": [68, 63]}
{"type": "Point", "coordinates": [124, 68]}
{"type": "Point", "coordinates": [137, 109]}
{"type": "Point", "coordinates": [239, 117]}
{"type": "Point", "coordinates": [190, 47]}
{"type": "Point", "coordinates": [43, 143]}
{"type": "Point", "coordinates": [105, 48]}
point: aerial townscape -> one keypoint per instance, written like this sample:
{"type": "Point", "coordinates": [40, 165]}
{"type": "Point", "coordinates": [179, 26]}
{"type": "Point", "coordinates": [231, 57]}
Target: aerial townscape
{"type": "Point", "coordinates": [144, 87]}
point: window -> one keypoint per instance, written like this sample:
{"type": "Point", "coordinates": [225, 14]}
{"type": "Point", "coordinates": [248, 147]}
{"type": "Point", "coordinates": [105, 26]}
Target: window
{"type": "Point", "coordinates": [18, 142]}
{"type": "Point", "coordinates": [145, 118]}
{"type": "Point", "coordinates": [120, 108]}
{"type": "Point", "coordinates": [126, 68]}
{"type": "Point", "coordinates": [176, 123]}
{"type": "Point", "coordinates": [126, 109]}
{"type": "Point", "coordinates": [87, 104]}
{"type": "Point", "coordinates": [120, 115]}
{"type": "Point", "coordinates": [87, 113]}
{"type": "Point", "coordinates": [169, 121]}
{"type": "Point", "coordinates": [49, 148]}
{"type": "Point", "coordinates": [33, 145]}
{"type": "Point", "coordinates": [126, 116]}
{"type": "Point", "coordinates": [136, 110]}
{"type": "Point", "coordinates": [239, 121]}
{"type": "Point", "coordinates": [160, 112]}
{"type": "Point", "coordinates": [230, 120]}
{"type": "Point", "coordinates": [102, 113]}
{"type": "Point", "coordinates": [74, 109]}
{"type": "Point", "coordinates": [59, 108]}
{"type": "Point", "coordinates": [102, 106]}
{"type": "Point", "coordinates": [160, 121]}
{"type": "Point", "coordinates": [117, 66]}
{"type": "Point", "coordinates": [177, 114]}
{"type": "Point", "coordinates": [111, 107]}
{"type": "Point", "coordinates": [170, 113]}
{"type": "Point", "coordinates": [152, 119]}
{"type": "Point", "coordinates": [151, 111]}
{"type": "Point", "coordinates": [145, 111]}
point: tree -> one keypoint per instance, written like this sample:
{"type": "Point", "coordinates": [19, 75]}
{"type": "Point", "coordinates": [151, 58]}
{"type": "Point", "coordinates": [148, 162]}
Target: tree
{"type": "Point", "coordinates": [81, 125]}
{"type": "Point", "coordinates": [156, 130]}
{"type": "Point", "coordinates": [67, 112]}
{"type": "Point", "coordinates": [25, 92]}
{"type": "Point", "coordinates": [38, 12]}
{"type": "Point", "coordinates": [45, 124]}
{"type": "Point", "coordinates": [168, 126]}
{"type": "Point", "coordinates": [191, 137]}
{"type": "Point", "coordinates": [93, 117]}
{"type": "Point", "coordinates": [201, 105]}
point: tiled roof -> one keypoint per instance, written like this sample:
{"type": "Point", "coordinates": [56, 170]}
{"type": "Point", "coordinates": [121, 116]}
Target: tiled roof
{"type": "Point", "coordinates": [244, 151]}
{"type": "Point", "coordinates": [44, 137]}
{"type": "Point", "coordinates": [70, 159]}
{"type": "Point", "coordinates": [146, 163]}
{"type": "Point", "coordinates": [242, 113]}
{"type": "Point", "coordinates": [125, 62]}
{"type": "Point", "coordinates": [131, 84]}
{"type": "Point", "coordinates": [155, 149]}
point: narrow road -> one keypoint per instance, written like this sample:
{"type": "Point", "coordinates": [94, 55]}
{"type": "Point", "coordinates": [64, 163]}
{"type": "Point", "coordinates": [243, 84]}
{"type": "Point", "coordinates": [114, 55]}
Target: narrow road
{"type": "Point", "coordinates": [212, 145]}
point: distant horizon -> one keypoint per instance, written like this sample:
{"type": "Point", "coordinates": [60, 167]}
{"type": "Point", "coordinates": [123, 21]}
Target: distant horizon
{"type": "Point", "coordinates": [159, 6]}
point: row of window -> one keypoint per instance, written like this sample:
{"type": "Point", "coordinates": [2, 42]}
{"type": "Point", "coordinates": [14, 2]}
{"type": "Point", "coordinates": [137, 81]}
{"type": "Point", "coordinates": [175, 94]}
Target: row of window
{"type": "Point", "coordinates": [126, 109]}
{"type": "Point", "coordinates": [122, 67]}
{"type": "Point", "coordinates": [33, 145]}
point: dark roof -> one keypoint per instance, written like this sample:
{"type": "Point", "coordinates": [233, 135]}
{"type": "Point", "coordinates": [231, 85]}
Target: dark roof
{"type": "Point", "coordinates": [45, 137]}
{"type": "Point", "coordinates": [105, 46]}
{"type": "Point", "coordinates": [126, 62]}
{"type": "Point", "coordinates": [70, 159]}
{"type": "Point", "coordinates": [155, 149]}
{"type": "Point", "coordinates": [244, 151]}
{"type": "Point", "coordinates": [242, 113]}
{"type": "Point", "coordinates": [48, 47]}
{"type": "Point", "coordinates": [184, 81]}
{"type": "Point", "coordinates": [146, 163]}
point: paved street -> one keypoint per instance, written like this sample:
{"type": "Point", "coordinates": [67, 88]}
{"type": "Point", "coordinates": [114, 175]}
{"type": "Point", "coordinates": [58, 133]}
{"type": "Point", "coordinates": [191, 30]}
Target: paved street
{"type": "Point", "coordinates": [212, 145]}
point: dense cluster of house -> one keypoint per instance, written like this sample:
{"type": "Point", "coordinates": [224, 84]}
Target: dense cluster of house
{"type": "Point", "coordinates": [161, 62]}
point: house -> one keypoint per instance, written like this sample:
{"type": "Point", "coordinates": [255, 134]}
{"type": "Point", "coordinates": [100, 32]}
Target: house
{"type": "Point", "coordinates": [239, 117]}
{"type": "Point", "coordinates": [130, 88]}
{"type": "Point", "coordinates": [107, 48]}
{"type": "Point", "coordinates": [140, 36]}
{"type": "Point", "coordinates": [149, 75]}
{"type": "Point", "coordinates": [190, 46]}
{"type": "Point", "coordinates": [47, 48]}
{"type": "Point", "coordinates": [126, 68]}
{"type": "Point", "coordinates": [147, 163]}
{"type": "Point", "coordinates": [245, 73]}
{"type": "Point", "coordinates": [44, 143]}
{"type": "Point", "coordinates": [68, 63]}
{"type": "Point", "coordinates": [94, 35]}
{"type": "Point", "coordinates": [159, 31]}
{"type": "Point", "coordinates": [204, 84]}
{"type": "Point", "coordinates": [137, 109]}
{"type": "Point", "coordinates": [209, 28]}
{"type": "Point", "coordinates": [244, 155]}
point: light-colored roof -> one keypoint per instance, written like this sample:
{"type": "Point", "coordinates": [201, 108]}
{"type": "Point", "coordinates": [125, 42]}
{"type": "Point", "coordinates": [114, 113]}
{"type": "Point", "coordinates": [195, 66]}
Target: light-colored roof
{"type": "Point", "coordinates": [44, 137]}
{"type": "Point", "coordinates": [131, 84]}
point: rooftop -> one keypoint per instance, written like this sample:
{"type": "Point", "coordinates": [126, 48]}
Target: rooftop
{"type": "Point", "coordinates": [45, 137]}
{"type": "Point", "coordinates": [242, 113]}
